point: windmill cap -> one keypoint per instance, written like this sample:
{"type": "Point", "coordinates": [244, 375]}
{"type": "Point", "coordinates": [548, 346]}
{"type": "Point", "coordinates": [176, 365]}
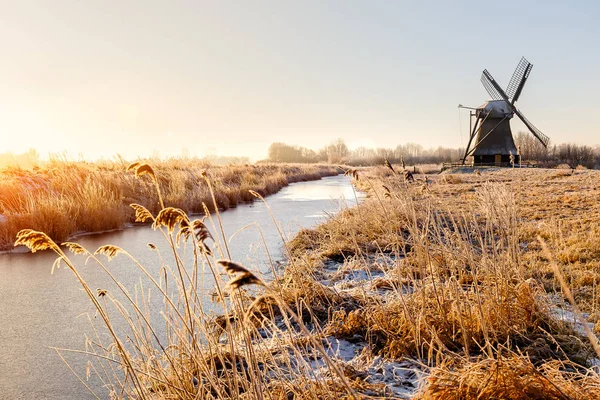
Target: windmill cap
{"type": "Point", "coordinates": [496, 109]}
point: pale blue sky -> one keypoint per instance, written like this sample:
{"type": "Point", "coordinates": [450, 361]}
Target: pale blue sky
{"type": "Point", "coordinates": [102, 77]}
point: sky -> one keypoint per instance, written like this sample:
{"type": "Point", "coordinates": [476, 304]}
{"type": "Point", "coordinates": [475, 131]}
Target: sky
{"type": "Point", "coordinates": [141, 78]}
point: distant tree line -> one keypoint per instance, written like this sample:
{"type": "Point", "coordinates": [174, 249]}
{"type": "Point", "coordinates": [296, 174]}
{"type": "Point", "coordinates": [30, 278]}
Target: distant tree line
{"type": "Point", "coordinates": [570, 154]}
{"type": "Point", "coordinates": [335, 152]}
{"type": "Point", "coordinates": [338, 152]}
{"type": "Point", "coordinates": [529, 147]}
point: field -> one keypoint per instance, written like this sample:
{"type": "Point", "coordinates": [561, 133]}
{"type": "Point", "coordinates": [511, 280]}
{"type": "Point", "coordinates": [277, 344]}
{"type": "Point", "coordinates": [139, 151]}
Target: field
{"type": "Point", "coordinates": [460, 275]}
{"type": "Point", "coordinates": [455, 286]}
{"type": "Point", "coordinates": [64, 198]}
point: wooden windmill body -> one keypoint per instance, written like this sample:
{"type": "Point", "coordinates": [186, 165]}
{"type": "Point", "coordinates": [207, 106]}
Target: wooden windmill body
{"type": "Point", "coordinates": [491, 141]}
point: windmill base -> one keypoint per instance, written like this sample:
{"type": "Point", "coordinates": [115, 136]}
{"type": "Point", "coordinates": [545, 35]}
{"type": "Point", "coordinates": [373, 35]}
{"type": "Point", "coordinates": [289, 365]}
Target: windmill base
{"type": "Point", "coordinates": [496, 159]}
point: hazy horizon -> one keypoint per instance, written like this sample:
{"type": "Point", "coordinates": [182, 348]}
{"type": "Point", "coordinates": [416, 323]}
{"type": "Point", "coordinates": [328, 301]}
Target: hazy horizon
{"type": "Point", "coordinates": [229, 79]}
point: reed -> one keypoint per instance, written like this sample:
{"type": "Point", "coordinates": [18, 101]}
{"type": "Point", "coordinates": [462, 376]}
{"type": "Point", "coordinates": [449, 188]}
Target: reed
{"type": "Point", "coordinates": [454, 282]}
{"type": "Point", "coordinates": [460, 288]}
{"type": "Point", "coordinates": [65, 198]}
{"type": "Point", "coordinates": [189, 360]}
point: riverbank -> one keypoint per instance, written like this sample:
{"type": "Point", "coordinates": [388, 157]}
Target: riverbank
{"type": "Point", "coordinates": [445, 282]}
{"type": "Point", "coordinates": [65, 199]}
{"type": "Point", "coordinates": [42, 310]}
{"type": "Point", "coordinates": [436, 289]}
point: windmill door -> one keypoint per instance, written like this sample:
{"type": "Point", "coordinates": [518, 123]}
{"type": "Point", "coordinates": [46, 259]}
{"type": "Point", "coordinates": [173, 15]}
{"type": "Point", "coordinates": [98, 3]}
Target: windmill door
{"type": "Point", "coordinates": [498, 159]}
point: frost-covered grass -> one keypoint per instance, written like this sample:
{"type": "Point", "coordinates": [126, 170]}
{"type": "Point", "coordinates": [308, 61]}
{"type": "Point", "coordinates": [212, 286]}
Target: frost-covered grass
{"type": "Point", "coordinates": [449, 272]}
{"type": "Point", "coordinates": [63, 198]}
{"type": "Point", "coordinates": [434, 289]}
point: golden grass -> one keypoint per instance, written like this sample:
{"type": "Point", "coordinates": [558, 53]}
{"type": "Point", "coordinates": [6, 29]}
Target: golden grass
{"type": "Point", "coordinates": [64, 198]}
{"type": "Point", "coordinates": [457, 281]}
{"type": "Point", "coordinates": [511, 376]}
{"type": "Point", "coordinates": [260, 359]}
{"type": "Point", "coordinates": [469, 279]}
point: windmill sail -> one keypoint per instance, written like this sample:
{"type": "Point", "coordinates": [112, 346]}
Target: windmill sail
{"type": "Point", "coordinates": [491, 86]}
{"type": "Point", "coordinates": [494, 89]}
{"type": "Point", "coordinates": [515, 86]}
{"type": "Point", "coordinates": [535, 131]}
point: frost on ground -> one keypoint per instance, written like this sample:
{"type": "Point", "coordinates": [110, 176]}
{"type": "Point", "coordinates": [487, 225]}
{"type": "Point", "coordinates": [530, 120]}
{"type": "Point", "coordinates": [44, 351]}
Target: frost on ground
{"type": "Point", "coordinates": [284, 342]}
{"type": "Point", "coordinates": [376, 375]}
{"type": "Point", "coordinates": [369, 275]}
{"type": "Point", "coordinates": [564, 312]}
{"type": "Point", "coordinates": [372, 274]}
{"type": "Point", "coordinates": [399, 379]}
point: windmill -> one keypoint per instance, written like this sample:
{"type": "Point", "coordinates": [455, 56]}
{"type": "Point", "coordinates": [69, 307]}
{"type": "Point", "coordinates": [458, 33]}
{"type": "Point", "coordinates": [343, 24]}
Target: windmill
{"type": "Point", "coordinates": [494, 143]}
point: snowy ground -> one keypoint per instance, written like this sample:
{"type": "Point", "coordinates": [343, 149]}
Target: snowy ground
{"type": "Point", "coordinates": [395, 378]}
{"type": "Point", "coordinates": [399, 379]}
{"type": "Point", "coordinates": [385, 378]}
{"type": "Point", "coordinates": [563, 311]}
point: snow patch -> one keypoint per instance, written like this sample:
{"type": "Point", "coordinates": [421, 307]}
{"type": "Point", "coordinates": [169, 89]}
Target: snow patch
{"type": "Point", "coordinates": [570, 317]}
{"type": "Point", "coordinates": [400, 378]}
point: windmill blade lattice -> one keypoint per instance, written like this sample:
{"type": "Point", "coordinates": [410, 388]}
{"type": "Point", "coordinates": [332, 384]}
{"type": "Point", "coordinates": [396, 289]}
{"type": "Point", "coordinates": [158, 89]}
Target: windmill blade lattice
{"type": "Point", "coordinates": [515, 86]}
{"type": "Point", "coordinates": [491, 86]}
{"type": "Point", "coordinates": [535, 131]}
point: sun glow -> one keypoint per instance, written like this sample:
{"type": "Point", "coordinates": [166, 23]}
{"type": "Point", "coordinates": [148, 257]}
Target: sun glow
{"type": "Point", "coordinates": [23, 129]}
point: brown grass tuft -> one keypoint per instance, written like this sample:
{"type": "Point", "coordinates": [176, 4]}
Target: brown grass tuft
{"type": "Point", "coordinates": [75, 248]}
{"type": "Point", "coordinates": [232, 268]}
{"type": "Point", "coordinates": [512, 377]}
{"type": "Point", "coordinates": [246, 278]}
{"type": "Point", "coordinates": [142, 169]}
{"type": "Point", "coordinates": [63, 198]}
